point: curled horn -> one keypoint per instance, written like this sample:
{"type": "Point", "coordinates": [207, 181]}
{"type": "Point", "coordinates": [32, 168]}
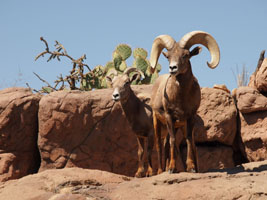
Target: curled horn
{"type": "Point", "coordinates": [161, 42]}
{"type": "Point", "coordinates": [109, 77]}
{"type": "Point", "coordinates": [200, 37]}
{"type": "Point", "coordinates": [133, 69]}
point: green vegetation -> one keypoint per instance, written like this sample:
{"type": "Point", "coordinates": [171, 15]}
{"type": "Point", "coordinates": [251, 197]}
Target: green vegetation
{"type": "Point", "coordinates": [81, 77]}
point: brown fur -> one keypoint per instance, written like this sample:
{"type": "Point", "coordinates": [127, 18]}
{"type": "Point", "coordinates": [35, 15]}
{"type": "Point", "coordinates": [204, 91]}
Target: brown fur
{"type": "Point", "coordinates": [139, 116]}
{"type": "Point", "coordinates": [175, 100]}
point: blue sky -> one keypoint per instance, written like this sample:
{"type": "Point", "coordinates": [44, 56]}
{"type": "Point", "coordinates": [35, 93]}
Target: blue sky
{"type": "Point", "coordinates": [95, 28]}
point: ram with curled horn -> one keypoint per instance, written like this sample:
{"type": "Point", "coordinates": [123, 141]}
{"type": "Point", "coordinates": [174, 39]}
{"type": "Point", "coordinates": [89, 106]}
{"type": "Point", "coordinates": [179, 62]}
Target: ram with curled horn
{"type": "Point", "coordinates": [176, 96]}
{"type": "Point", "coordinates": [138, 113]}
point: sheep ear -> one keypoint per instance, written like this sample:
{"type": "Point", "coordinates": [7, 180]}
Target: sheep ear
{"type": "Point", "coordinates": [195, 51]}
{"type": "Point", "coordinates": [134, 77]}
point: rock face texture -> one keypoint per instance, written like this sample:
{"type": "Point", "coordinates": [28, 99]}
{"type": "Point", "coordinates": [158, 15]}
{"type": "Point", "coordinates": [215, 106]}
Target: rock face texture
{"type": "Point", "coordinates": [216, 117]}
{"type": "Point", "coordinates": [250, 100]}
{"type": "Point", "coordinates": [88, 130]}
{"type": "Point", "coordinates": [258, 80]}
{"type": "Point", "coordinates": [253, 118]}
{"type": "Point", "coordinates": [261, 77]}
{"type": "Point", "coordinates": [19, 155]}
{"type": "Point", "coordinates": [62, 184]}
{"type": "Point", "coordinates": [215, 129]}
{"type": "Point", "coordinates": [245, 182]}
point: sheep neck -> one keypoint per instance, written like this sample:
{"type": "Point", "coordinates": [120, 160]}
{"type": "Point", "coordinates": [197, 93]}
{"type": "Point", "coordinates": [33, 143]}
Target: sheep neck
{"type": "Point", "coordinates": [184, 79]}
{"type": "Point", "coordinates": [129, 106]}
{"type": "Point", "coordinates": [176, 93]}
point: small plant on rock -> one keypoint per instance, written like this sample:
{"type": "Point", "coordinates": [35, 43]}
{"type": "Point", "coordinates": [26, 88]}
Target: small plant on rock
{"type": "Point", "coordinates": [81, 77]}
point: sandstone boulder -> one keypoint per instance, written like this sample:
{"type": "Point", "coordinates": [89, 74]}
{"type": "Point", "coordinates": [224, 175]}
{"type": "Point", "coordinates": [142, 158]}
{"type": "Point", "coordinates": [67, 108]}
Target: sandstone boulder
{"type": "Point", "coordinates": [261, 77]}
{"type": "Point", "coordinates": [88, 130]}
{"type": "Point", "coordinates": [253, 122]}
{"type": "Point", "coordinates": [216, 117]}
{"type": "Point", "coordinates": [19, 155]}
{"type": "Point", "coordinates": [253, 133]}
{"type": "Point", "coordinates": [250, 100]}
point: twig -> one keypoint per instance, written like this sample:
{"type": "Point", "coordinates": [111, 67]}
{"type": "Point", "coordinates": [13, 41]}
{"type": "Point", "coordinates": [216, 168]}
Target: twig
{"type": "Point", "coordinates": [48, 85]}
{"type": "Point", "coordinates": [77, 70]}
{"type": "Point", "coordinates": [32, 89]}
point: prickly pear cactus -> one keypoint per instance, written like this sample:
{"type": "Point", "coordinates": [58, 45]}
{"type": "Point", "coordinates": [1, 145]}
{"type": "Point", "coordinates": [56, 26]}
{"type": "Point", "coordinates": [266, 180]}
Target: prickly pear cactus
{"type": "Point", "coordinates": [122, 66]}
{"type": "Point", "coordinates": [86, 83]}
{"type": "Point", "coordinates": [141, 63]}
{"type": "Point", "coordinates": [109, 66]}
{"type": "Point", "coordinates": [124, 50]}
{"type": "Point", "coordinates": [140, 52]}
{"type": "Point", "coordinates": [99, 70]}
{"type": "Point", "coordinates": [103, 82]}
{"type": "Point", "coordinates": [158, 67]}
{"type": "Point", "coordinates": [117, 59]}
{"type": "Point", "coordinates": [97, 77]}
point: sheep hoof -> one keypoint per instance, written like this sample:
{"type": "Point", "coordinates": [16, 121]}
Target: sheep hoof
{"type": "Point", "coordinates": [192, 171]}
{"type": "Point", "coordinates": [138, 175]}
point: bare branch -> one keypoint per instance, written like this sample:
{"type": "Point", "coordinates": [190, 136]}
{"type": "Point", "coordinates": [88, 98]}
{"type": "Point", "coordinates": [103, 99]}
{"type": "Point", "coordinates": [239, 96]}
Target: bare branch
{"type": "Point", "coordinates": [46, 44]}
{"type": "Point", "coordinates": [32, 89]}
{"type": "Point", "coordinates": [45, 81]}
{"type": "Point", "coordinates": [76, 74]}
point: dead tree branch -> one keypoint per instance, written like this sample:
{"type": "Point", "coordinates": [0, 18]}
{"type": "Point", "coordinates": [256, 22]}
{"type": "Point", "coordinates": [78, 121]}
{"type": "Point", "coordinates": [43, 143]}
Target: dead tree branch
{"type": "Point", "coordinates": [77, 71]}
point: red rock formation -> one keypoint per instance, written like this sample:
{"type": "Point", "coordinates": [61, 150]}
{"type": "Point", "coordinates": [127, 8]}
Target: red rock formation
{"type": "Point", "coordinates": [216, 120]}
{"type": "Point", "coordinates": [245, 182]}
{"type": "Point", "coordinates": [19, 155]}
{"type": "Point", "coordinates": [253, 118]}
{"type": "Point", "coordinates": [86, 129]}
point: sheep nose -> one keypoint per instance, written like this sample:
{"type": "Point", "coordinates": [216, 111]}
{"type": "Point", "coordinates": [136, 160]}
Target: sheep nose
{"type": "Point", "coordinates": [115, 97]}
{"type": "Point", "coordinates": [173, 69]}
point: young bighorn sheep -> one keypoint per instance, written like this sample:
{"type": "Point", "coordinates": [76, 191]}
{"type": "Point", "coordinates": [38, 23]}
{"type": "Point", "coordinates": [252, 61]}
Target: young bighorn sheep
{"type": "Point", "coordinates": [138, 114]}
{"type": "Point", "coordinates": [176, 97]}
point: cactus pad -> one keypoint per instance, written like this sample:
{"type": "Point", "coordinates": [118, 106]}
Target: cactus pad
{"type": "Point", "coordinates": [108, 66]}
{"type": "Point", "coordinates": [141, 64]}
{"type": "Point", "coordinates": [158, 67]}
{"type": "Point", "coordinates": [124, 50]}
{"type": "Point", "coordinates": [123, 66]}
{"type": "Point", "coordinates": [140, 52]}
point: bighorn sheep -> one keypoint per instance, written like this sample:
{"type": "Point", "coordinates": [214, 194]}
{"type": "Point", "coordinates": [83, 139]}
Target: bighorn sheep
{"type": "Point", "coordinates": [176, 97]}
{"type": "Point", "coordinates": [138, 114]}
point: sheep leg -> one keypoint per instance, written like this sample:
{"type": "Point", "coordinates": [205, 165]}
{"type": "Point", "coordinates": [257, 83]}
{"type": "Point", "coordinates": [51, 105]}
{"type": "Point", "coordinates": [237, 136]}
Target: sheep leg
{"type": "Point", "coordinates": [166, 152]}
{"type": "Point", "coordinates": [179, 139]}
{"type": "Point", "coordinates": [157, 133]}
{"type": "Point", "coordinates": [140, 169]}
{"type": "Point", "coordinates": [150, 143]}
{"type": "Point", "coordinates": [171, 131]}
{"type": "Point", "coordinates": [190, 146]}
